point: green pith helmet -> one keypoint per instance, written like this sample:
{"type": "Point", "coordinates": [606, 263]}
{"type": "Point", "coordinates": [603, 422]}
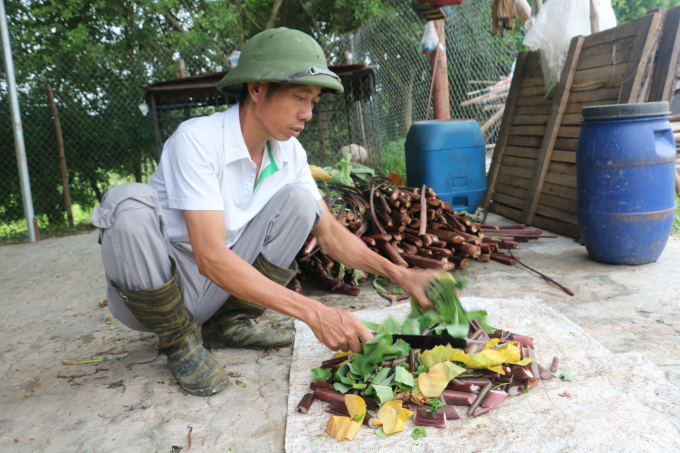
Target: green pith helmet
{"type": "Point", "coordinates": [283, 56]}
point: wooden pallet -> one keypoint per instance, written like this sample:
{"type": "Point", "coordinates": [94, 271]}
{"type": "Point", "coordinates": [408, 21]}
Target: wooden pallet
{"type": "Point", "coordinates": [532, 178]}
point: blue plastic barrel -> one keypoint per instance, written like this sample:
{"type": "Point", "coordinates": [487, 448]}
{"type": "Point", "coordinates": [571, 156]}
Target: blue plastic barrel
{"type": "Point", "coordinates": [449, 157]}
{"type": "Point", "coordinates": [625, 180]}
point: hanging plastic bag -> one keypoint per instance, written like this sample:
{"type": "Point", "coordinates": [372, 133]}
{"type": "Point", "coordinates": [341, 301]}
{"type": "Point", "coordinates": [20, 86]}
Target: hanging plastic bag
{"type": "Point", "coordinates": [430, 39]}
{"type": "Point", "coordinates": [552, 29]}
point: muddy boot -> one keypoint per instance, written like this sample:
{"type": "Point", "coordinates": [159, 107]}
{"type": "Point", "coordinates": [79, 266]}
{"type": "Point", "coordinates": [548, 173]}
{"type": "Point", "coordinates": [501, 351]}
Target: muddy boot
{"type": "Point", "coordinates": [162, 311]}
{"type": "Point", "coordinates": [231, 325]}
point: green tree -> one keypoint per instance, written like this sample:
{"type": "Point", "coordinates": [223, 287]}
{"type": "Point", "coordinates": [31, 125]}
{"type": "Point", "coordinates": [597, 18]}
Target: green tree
{"type": "Point", "coordinates": [627, 10]}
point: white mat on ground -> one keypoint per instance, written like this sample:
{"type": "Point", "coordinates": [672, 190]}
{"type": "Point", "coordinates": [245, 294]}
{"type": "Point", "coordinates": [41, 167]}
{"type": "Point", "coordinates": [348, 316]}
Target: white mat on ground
{"type": "Point", "coordinates": [617, 402]}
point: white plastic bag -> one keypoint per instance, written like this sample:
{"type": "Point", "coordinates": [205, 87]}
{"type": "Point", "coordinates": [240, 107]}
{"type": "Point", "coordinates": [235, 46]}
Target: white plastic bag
{"type": "Point", "coordinates": [430, 39]}
{"type": "Point", "coordinates": [552, 29]}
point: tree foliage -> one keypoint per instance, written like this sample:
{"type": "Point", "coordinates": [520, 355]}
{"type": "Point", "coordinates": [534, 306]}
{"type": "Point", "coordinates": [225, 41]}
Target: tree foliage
{"type": "Point", "coordinates": [627, 10]}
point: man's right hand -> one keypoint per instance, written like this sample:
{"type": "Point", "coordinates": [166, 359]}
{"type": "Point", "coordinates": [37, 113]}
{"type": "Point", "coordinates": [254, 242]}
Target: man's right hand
{"type": "Point", "coordinates": [339, 329]}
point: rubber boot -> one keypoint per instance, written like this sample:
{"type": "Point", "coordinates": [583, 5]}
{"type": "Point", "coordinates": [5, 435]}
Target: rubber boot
{"type": "Point", "coordinates": [232, 327]}
{"type": "Point", "coordinates": [162, 311]}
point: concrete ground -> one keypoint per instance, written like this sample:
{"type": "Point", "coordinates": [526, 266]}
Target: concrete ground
{"type": "Point", "coordinates": [50, 298]}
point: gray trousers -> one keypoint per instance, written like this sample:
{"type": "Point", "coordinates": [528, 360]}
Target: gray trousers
{"type": "Point", "coordinates": [136, 249]}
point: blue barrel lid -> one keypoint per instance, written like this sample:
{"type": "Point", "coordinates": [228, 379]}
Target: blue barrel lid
{"type": "Point", "coordinates": [621, 111]}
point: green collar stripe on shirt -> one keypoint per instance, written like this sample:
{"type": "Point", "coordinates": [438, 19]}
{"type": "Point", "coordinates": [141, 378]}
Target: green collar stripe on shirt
{"type": "Point", "coordinates": [271, 168]}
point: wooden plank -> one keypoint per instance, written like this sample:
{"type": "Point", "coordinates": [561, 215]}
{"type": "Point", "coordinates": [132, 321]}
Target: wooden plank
{"type": "Point", "coordinates": [536, 131]}
{"type": "Point", "coordinates": [562, 168]}
{"type": "Point", "coordinates": [606, 50]}
{"type": "Point", "coordinates": [522, 120]}
{"type": "Point", "coordinates": [515, 202]}
{"type": "Point", "coordinates": [561, 180]}
{"type": "Point", "coordinates": [666, 58]}
{"type": "Point", "coordinates": [560, 191]}
{"type": "Point", "coordinates": [533, 101]}
{"type": "Point", "coordinates": [613, 34]}
{"type": "Point", "coordinates": [517, 151]}
{"type": "Point", "coordinates": [533, 110]}
{"type": "Point", "coordinates": [504, 133]}
{"type": "Point", "coordinates": [525, 142]}
{"type": "Point", "coordinates": [571, 119]}
{"type": "Point", "coordinates": [506, 211]}
{"type": "Point", "coordinates": [594, 96]}
{"type": "Point", "coordinates": [533, 82]}
{"type": "Point", "coordinates": [578, 107]}
{"type": "Point", "coordinates": [557, 214]}
{"type": "Point", "coordinates": [560, 103]}
{"type": "Point", "coordinates": [514, 181]}
{"type": "Point", "coordinates": [567, 144]}
{"type": "Point", "coordinates": [569, 131]}
{"type": "Point", "coordinates": [513, 191]}
{"type": "Point", "coordinates": [618, 55]}
{"type": "Point", "coordinates": [557, 227]}
{"type": "Point", "coordinates": [598, 78]}
{"type": "Point", "coordinates": [557, 202]}
{"type": "Point", "coordinates": [564, 156]}
{"type": "Point", "coordinates": [635, 69]}
{"type": "Point", "coordinates": [520, 162]}
{"type": "Point", "coordinates": [517, 171]}
{"type": "Point", "coordinates": [532, 91]}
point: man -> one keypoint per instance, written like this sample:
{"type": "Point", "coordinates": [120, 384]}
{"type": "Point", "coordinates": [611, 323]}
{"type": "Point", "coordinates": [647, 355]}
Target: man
{"type": "Point", "coordinates": [211, 241]}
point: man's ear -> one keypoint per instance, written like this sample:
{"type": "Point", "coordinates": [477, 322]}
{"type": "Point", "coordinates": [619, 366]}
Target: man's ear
{"type": "Point", "coordinates": [257, 90]}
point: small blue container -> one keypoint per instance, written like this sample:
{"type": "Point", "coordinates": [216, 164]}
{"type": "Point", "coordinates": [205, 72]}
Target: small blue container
{"type": "Point", "coordinates": [448, 156]}
{"type": "Point", "coordinates": [625, 172]}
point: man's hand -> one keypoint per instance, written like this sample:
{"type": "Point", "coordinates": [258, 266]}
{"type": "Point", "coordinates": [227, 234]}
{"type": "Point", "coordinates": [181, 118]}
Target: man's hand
{"type": "Point", "coordinates": [339, 329]}
{"type": "Point", "coordinates": [414, 282]}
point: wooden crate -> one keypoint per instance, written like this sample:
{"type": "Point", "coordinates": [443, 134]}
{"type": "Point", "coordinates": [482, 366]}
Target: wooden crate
{"type": "Point", "coordinates": [532, 178]}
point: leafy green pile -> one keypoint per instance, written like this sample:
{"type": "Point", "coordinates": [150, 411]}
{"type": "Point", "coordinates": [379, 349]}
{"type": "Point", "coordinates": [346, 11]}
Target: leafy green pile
{"type": "Point", "coordinates": [341, 173]}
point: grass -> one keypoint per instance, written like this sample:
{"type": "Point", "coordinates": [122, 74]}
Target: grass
{"type": "Point", "coordinates": [676, 218]}
{"type": "Point", "coordinates": [394, 158]}
{"type": "Point", "coordinates": [16, 232]}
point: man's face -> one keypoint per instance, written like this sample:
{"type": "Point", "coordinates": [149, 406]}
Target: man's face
{"type": "Point", "coordinates": [285, 112]}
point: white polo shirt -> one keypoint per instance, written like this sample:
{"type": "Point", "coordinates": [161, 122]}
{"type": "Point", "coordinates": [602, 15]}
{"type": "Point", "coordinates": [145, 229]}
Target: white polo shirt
{"type": "Point", "coordinates": [206, 166]}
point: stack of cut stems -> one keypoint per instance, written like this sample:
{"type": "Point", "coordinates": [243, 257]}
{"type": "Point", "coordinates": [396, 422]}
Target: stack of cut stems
{"type": "Point", "coordinates": [412, 227]}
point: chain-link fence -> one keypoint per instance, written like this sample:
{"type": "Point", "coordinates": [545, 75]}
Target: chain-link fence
{"type": "Point", "coordinates": [107, 139]}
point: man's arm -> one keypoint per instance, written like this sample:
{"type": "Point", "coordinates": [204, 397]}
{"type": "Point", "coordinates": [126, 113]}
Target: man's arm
{"type": "Point", "coordinates": [340, 244]}
{"type": "Point", "coordinates": [337, 329]}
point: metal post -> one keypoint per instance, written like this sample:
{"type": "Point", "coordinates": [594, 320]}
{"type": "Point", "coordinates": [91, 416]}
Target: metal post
{"type": "Point", "coordinates": [16, 124]}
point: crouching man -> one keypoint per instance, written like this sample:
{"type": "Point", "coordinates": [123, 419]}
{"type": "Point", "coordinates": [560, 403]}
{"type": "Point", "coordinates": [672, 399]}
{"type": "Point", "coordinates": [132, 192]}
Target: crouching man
{"type": "Point", "coordinates": [211, 241]}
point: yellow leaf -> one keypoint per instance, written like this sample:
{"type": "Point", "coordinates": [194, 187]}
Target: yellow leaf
{"type": "Point", "coordinates": [395, 178]}
{"type": "Point", "coordinates": [405, 414]}
{"type": "Point", "coordinates": [318, 174]}
{"type": "Point", "coordinates": [355, 406]}
{"type": "Point", "coordinates": [433, 383]}
{"type": "Point", "coordinates": [419, 398]}
{"type": "Point", "coordinates": [341, 354]}
{"type": "Point", "coordinates": [342, 427]}
{"type": "Point", "coordinates": [388, 408]}
{"type": "Point", "coordinates": [433, 356]}
{"type": "Point", "coordinates": [492, 343]}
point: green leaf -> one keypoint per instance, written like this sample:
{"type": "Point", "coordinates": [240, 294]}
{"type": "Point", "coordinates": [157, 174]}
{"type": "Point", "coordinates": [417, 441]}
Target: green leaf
{"type": "Point", "coordinates": [112, 321]}
{"type": "Point", "coordinates": [380, 288]}
{"type": "Point", "coordinates": [382, 375]}
{"type": "Point", "coordinates": [321, 373]}
{"type": "Point", "coordinates": [359, 386]}
{"type": "Point", "coordinates": [399, 291]}
{"type": "Point", "coordinates": [357, 275]}
{"type": "Point", "coordinates": [240, 383]}
{"type": "Point", "coordinates": [341, 372]}
{"type": "Point", "coordinates": [347, 381]}
{"type": "Point", "coordinates": [567, 377]}
{"type": "Point", "coordinates": [340, 387]}
{"type": "Point", "coordinates": [341, 272]}
{"type": "Point", "coordinates": [390, 325]}
{"type": "Point", "coordinates": [378, 349]}
{"type": "Point", "coordinates": [404, 377]}
{"type": "Point", "coordinates": [359, 418]}
{"type": "Point", "coordinates": [410, 326]}
{"type": "Point", "coordinates": [359, 169]}
{"type": "Point", "coordinates": [436, 403]}
{"type": "Point", "coordinates": [380, 433]}
{"type": "Point", "coordinates": [387, 382]}
{"type": "Point", "coordinates": [371, 325]}
{"type": "Point", "coordinates": [383, 394]}
{"type": "Point", "coordinates": [418, 433]}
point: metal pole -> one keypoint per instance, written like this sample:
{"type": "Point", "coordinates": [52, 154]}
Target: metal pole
{"type": "Point", "coordinates": [16, 124]}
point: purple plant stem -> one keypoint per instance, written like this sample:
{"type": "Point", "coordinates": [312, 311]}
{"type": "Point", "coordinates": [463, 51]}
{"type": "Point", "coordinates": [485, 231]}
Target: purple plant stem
{"type": "Point", "coordinates": [554, 365]}
{"type": "Point", "coordinates": [482, 394]}
{"type": "Point", "coordinates": [424, 418]}
{"type": "Point", "coordinates": [494, 399]}
{"type": "Point", "coordinates": [338, 409]}
{"type": "Point", "coordinates": [481, 412]}
{"type": "Point", "coordinates": [472, 388]}
{"type": "Point", "coordinates": [305, 403]}
{"type": "Point", "coordinates": [545, 374]}
{"type": "Point", "coordinates": [454, 398]}
{"type": "Point", "coordinates": [412, 360]}
{"type": "Point", "coordinates": [515, 389]}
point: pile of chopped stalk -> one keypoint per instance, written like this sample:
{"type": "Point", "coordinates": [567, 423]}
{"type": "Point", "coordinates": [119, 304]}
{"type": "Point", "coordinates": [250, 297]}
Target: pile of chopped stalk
{"type": "Point", "coordinates": [389, 382]}
{"type": "Point", "coordinates": [410, 226]}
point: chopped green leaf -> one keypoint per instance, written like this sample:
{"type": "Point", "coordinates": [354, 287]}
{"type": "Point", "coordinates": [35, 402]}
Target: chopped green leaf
{"type": "Point", "coordinates": [383, 394]}
{"type": "Point", "coordinates": [382, 374]}
{"type": "Point", "coordinates": [380, 433]}
{"type": "Point", "coordinates": [341, 272]}
{"type": "Point", "coordinates": [410, 326]}
{"type": "Point", "coordinates": [567, 377]}
{"type": "Point", "coordinates": [112, 321]}
{"type": "Point", "coordinates": [342, 372]}
{"type": "Point", "coordinates": [240, 383]}
{"type": "Point", "coordinates": [321, 373]}
{"type": "Point", "coordinates": [390, 325]}
{"type": "Point", "coordinates": [359, 418]}
{"type": "Point", "coordinates": [357, 275]}
{"type": "Point", "coordinates": [404, 377]}
{"type": "Point", "coordinates": [399, 291]}
{"type": "Point", "coordinates": [387, 382]}
{"type": "Point", "coordinates": [232, 448]}
{"type": "Point", "coordinates": [340, 387]}
{"type": "Point", "coordinates": [380, 288]}
{"type": "Point", "coordinates": [371, 325]}
{"type": "Point", "coordinates": [436, 403]}
{"type": "Point", "coordinates": [418, 433]}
